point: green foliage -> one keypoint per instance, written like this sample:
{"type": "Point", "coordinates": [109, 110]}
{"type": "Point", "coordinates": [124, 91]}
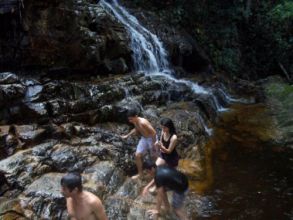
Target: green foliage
{"type": "Point", "coordinates": [282, 12]}
{"type": "Point", "coordinates": [282, 94]}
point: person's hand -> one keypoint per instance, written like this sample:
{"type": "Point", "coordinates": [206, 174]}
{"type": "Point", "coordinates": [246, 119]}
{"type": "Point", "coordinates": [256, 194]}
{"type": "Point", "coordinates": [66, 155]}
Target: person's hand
{"type": "Point", "coordinates": [153, 213]}
{"type": "Point", "coordinates": [145, 191]}
{"type": "Point", "coordinates": [158, 144]}
{"type": "Point", "coordinates": [124, 136]}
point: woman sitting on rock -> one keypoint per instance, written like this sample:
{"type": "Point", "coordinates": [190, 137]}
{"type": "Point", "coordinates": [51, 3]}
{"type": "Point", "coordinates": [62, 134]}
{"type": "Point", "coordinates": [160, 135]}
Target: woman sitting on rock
{"type": "Point", "coordinates": [167, 144]}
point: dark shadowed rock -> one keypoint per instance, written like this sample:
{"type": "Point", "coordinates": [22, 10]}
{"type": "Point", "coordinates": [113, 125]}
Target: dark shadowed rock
{"type": "Point", "coordinates": [94, 37]}
{"type": "Point", "coordinates": [11, 92]}
{"type": "Point", "coordinates": [8, 78]}
{"type": "Point", "coordinates": [115, 66]}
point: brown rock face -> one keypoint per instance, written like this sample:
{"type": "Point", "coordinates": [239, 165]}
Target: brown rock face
{"type": "Point", "coordinates": [62, 35]}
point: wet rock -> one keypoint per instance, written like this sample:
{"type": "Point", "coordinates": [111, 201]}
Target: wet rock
{"type": "Point", "coordinates": [207, 105]}
{"type": "Point", "coordinates": [56, 107]}
{"type": "Point", "coordinates": [95, 37]}
{"type": "Point", "coordinates": [104, 174]}
{"type": "Point", "coordinates": [20, 167]}
{"type": "Point", "coordinates": [33, 91]}
{"type": "Point", "coordinates": [44, 150]}
{"type": "Point", "coordinates": [27, 133]}
{"type": "Point", "coordinates": [72, 129]}
{"type": "Point", "coordinates": [115, 66]}
{"type": "Point", "coordinates": [80, 105]}
{"type": "Point", "coordinates": [117, 208]}
{"type": "Point", "coordinates": [11, 209]}
{"type": "Point", "coordinates": [4, 184]}
{"type": "Point", "coordinates": [37, 110]}
{"type": "Point", "coordinates": [34, 135]}
{"type": "Point", "coordinates": [8, 78]}
{"type": "Point", "coordinates": [25, 165]}
{"type": "Point", "coordinates": [118, 205]}
{"type": "Point", "coordinates": [66, 158]}
{"type": "Point", "coordinates": [11, 92]}
{"type": "Point", "coordinates": [43, 199]}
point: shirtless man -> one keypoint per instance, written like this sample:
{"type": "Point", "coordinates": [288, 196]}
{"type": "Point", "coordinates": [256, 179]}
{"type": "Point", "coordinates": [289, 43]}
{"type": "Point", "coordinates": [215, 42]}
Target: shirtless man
{"type": "Point", "coordinates": [148, 138]}
{"type": "Point", "coordinates": [81, 205]}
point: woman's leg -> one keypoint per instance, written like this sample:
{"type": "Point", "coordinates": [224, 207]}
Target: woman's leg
{"type": "Point", "coordinates": [178, 204]}
{"type": "Point", "coordinates": [181, 214]}
{"type": "Point", "coordinates": [160, 161]}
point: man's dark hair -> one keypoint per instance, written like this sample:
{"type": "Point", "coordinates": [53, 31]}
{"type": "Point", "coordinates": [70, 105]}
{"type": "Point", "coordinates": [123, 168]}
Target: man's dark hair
{"type": "Point", "coordinates": [149, 164]}
{"type": "Point", "coordinates": [132, 112]}
{"type": "Point", "coordinates": [72, 181]}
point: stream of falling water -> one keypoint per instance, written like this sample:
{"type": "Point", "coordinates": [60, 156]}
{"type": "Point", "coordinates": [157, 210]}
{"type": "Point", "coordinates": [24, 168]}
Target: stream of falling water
{"type": "Point", "coordinates": [149, 55]}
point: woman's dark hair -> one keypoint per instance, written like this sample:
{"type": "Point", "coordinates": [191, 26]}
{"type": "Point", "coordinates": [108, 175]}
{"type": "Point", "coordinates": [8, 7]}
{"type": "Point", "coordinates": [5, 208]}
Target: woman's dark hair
{"type": "Point", "coordinates": [72, 181]}
{"type": "Point", "coordinates": [167, 122]}
{"type": "Point", "coordinates": [132, 112]}
{"type": "Point", "coordinates": [12, 129]}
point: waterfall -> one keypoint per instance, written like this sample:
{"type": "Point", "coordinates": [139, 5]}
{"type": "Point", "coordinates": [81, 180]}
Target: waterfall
{"type": "Point", "coordinates": [149, 55]}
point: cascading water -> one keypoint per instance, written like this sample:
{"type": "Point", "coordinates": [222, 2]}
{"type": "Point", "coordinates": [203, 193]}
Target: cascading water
{"type": "Point", "coordinates": [149, 54]}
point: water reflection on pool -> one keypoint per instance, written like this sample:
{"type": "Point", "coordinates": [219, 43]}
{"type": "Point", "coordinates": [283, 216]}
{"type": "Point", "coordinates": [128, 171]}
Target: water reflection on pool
{"type": "Point", "coordinates": [248, 174]}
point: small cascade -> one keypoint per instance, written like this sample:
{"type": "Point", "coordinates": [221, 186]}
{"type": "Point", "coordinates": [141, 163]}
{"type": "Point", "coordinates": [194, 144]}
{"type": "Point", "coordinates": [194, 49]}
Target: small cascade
{"type": "Point", "coordinates": [218, 106]}
{"type": "Point", "coordinates": [209, 131]}
{"type": "Point", "coordinates": [231, 99]}
{"type": "Point", "coordinates": [129, 98]}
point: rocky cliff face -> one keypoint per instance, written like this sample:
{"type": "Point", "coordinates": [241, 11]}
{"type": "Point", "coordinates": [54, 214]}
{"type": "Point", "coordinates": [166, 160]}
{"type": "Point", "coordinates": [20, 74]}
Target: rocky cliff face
{"type": "Point", "coordinates": [58, 35]}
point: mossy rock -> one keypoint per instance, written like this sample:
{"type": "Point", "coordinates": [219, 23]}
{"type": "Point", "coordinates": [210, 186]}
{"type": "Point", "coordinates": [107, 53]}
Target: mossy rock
{"type": "Point", "coordinates": [280, 99]}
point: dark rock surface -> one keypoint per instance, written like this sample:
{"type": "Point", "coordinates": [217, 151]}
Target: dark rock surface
{"type": "Point", "coordinates": [63, 35]}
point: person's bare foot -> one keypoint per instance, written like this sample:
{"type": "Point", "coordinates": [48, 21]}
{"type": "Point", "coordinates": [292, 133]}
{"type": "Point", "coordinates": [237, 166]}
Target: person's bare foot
{"type": "Point", "coordinates": [136, 177]}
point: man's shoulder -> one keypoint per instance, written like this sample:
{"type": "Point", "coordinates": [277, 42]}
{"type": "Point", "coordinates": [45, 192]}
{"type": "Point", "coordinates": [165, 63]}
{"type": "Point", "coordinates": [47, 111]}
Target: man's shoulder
{"type": "Point", "coordinates": [93, 200]}
{"type": "Point", "coordinates": [143, 120]}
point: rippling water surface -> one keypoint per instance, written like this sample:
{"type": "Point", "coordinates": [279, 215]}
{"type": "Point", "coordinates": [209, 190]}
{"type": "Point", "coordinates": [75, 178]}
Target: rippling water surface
{"type": "Point", "coordinates": [250, 176]}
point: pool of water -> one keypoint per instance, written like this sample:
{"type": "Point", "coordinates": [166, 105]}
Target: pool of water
{"type": "Point", "coordinates": [251, 175]}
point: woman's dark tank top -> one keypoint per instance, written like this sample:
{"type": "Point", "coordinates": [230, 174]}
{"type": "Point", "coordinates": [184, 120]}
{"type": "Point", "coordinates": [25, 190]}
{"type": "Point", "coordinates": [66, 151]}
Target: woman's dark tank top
{"type": "Point", "coordinates": [173, 156]}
